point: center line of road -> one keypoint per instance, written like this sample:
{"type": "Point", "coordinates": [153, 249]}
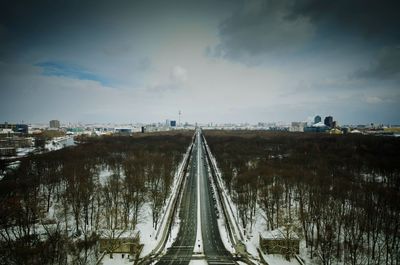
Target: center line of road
{"type": "Point", "coordinates": [198, 248]}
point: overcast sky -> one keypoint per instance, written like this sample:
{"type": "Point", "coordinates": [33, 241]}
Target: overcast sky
{"type": "Point", "coordinates": [216, 61]}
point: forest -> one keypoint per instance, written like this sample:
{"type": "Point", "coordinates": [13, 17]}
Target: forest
{"type": "Point", "coordinates": [339, 193]}
{"type": "Point", "coordinates": [55, 206]}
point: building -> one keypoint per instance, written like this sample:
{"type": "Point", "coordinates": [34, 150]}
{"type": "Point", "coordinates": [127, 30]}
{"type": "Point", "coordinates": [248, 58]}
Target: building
{"type": "Point", "coordinates": [123, 131]}
{"type": "Point", "coordinates": [16, 142]}
{"type": "Point", "coordinates": [317, 119]}
{"type": "Point", "coordinates": [279, 241]}
{"type": "Point", "coordinates": [126, 246]}
{"type": "Point", "coordinates": [7, 151]}
{"type": "Point", "coordinates": [15, 128]}
{"type": "Point", "coordinates": [297, 126]}
{"type": "Point", "coordinates": [328, 121]}
{"type": "Point", "coordinates": [173, 123]}
{"type": "Point", "coordinates": [316, 127]}
{"type": "Point", "coordinates": [119, 245]}
{"type": "Point", "coordinates": [335, 131]}
{"type": "Point", "coordinates": [54, 124]}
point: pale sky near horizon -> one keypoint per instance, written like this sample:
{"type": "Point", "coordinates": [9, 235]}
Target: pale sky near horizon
{"type": "Point", "coordinates": [216, 61]}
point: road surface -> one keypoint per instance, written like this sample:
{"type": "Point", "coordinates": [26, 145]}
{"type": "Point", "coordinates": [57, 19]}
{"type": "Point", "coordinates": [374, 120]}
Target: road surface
{"type": "Point", "coordinates": [214, 249]}
{"type": "Point", "coordinates": [182, 249]}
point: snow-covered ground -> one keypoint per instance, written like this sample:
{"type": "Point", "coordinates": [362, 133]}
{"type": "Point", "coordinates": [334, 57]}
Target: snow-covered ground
{"type": "Point", "coordinates": [24, 151]}
{"type": "Point", "coordinates": [222, 222]}
{"type": "Point", "coordinates": [274, 259]}
{"type": "Point", "coordinates": [198, 262]}
{"type": "Point", "coordinates": [58, 143]}
{"type": "Point", "coordinates": [251, 238]}
{"type": "Point", "coordinates": [151, 238]}
{"type": "Point", "coordinates": [117, 259]}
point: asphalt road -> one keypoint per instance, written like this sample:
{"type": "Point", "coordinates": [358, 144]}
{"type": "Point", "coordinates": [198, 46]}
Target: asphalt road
{"type": "Point", "coordinates": [214, 249]}
{"type": "Point", "coordinates": [182, 249]}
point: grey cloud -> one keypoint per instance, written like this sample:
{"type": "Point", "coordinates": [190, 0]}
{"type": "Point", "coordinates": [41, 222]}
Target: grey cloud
{"type": "Point", "coordinates": [369, 19]}
{"type": "Point", "coordinates": [260, 27]}
{"type": "Point", "coordinates": [385, 66]}
{"type": "Point", "coordinates": [286, 26]}
{"type": "Point", "coordinates": [3, 31]}
{"type": "Point", "coordinates": [177, 79]}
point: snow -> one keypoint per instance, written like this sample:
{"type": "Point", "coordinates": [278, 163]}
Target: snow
{"type": "Point", "coordinates": [222, 226]}
{"type": "Point", "coordinates": [251, 238]}
{"type": "Point", "coordinates": [275, 259]}
{"type": "Point", "coordinates": [104, 174]}
{"type": "Point", "coordinates": [147, 232]}
{"type": "Point", "coordinates": [252, 243]}
{"type": "Point", "coordinates": [278, 234]}
{"type": "Point", "coordinates": [304, 253]}
{"type": "Point", "coordinates": [153, 239]}
{"type": "Point", "coordinates": [150, 237]}
{"type": "Point", "coordinates": [319, 124]}
{"type": "Point", "coordinates": [58, 143]}
{"type": "Point", "coordinates": [116, 260]}
{"type": "Point", "coordinates": [198, 262]}
{"type": "Point", "coordinates": [226, 199]}
{"type": "Point", "coordinates": [24, 151]}
{"type": "Point", "coordinates": [174, 232]}
{"type": "Point", "coordinates": [14, 165]}
{"type": "Point", "coordinates": [224, 236]}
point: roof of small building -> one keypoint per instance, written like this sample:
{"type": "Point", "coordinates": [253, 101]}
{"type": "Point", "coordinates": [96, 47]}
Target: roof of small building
{"type": "Point", "coordinates": [319, 124]}
{"type": "Point", "coordinates": [278, 234]}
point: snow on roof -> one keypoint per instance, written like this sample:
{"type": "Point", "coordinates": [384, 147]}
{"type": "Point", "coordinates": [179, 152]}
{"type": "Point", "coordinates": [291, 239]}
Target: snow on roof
{"type": "Point", "coordinates": [117, 234]}
{"type": "Point", "coordinates": [278, 233]}
{"type": "Point", "coordinates": [319, 124]}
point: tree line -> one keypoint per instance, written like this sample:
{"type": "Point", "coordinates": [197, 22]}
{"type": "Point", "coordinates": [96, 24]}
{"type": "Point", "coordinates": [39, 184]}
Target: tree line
{"type": "Point", "coordinates": [340, 193]}
{"type": "Point", "coordinates": [55, 206]}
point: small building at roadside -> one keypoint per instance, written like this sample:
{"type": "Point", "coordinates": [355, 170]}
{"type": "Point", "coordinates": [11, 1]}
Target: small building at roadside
{"type": "Point", "coordinates": [279, 241]}
{"type": "Point", "coordinates": [126, 246]}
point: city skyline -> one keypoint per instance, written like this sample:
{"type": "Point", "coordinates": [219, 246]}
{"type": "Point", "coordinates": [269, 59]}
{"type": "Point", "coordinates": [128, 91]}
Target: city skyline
{"type": "Point", "coordinates": [216, 61]}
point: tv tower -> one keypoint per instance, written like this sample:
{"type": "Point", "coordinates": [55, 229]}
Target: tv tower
{"type": "Point", "coordinates": [179, 120]}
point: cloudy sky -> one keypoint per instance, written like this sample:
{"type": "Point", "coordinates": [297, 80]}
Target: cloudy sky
{"type": "Point", "coordinates": [216, 61]}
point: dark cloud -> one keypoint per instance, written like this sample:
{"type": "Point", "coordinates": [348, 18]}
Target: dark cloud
{"type": "Point", "coordinates": [285, 26]}
{"type": "Point", "coordinates": [385, 66]}
{"type": "Point", "coordinates": [368, 18]}
{"type": "Point", "coordinates": [258, 27]}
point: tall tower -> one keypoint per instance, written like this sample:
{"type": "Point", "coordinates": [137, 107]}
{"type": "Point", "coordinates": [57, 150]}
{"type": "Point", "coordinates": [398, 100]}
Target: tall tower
{"type": "Point", "coordinates": [179, 119]}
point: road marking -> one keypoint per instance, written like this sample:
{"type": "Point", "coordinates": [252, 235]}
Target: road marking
{"type": "Point", "coordinates": [198, 248]}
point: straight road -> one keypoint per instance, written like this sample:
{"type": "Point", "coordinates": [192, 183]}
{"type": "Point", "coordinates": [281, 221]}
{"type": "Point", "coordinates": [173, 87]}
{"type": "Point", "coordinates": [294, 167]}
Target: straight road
{"type": "Point", "coordinates": [214, 248]}
{"type": "Point", "coordinates": [182, 249]}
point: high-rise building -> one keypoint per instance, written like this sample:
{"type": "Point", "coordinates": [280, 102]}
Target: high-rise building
{"type": "Point", "coordinates": [173, 123]}
{"type": "Point", "coordinates": [54, 124]}
{"type": "Point", "coordinates": [317, 119]}
{"type": "Point", "coordinates": [328, 121]}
